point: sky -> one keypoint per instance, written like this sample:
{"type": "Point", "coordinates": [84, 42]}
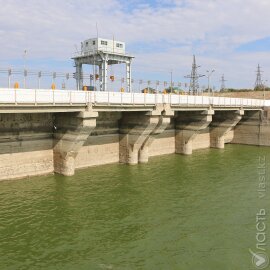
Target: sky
{"type": "Point", "coordinates": [232, 37]}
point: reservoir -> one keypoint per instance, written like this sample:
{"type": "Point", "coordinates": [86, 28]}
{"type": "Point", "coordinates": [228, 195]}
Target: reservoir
{"type": "Point", "coordinates": [175, 212]}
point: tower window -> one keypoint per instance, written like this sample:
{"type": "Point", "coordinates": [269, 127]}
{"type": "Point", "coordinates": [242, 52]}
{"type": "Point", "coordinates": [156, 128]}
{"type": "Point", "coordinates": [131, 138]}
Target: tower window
{"type": "Point", "coordinates": [119, 45]}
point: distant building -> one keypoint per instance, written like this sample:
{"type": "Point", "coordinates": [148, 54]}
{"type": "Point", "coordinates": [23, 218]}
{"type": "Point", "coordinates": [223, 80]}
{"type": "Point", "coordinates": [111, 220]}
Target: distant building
{"type": "Point", "coordinates": [149, 90]}
{"type": "Point", "coordinates": [89, 88]}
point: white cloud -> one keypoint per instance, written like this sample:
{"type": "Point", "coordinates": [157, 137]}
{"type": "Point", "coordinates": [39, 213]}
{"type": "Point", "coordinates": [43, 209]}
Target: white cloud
{"type": "Point", "coordinates": [211, 29]}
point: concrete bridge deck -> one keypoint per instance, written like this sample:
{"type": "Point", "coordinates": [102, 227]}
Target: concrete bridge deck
{"type": "Point", "coordinates": [44, 100]}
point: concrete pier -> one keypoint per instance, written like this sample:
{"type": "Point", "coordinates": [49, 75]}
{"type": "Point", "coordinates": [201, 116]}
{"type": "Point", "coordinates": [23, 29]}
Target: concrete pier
{"type": "Point", "coordinates": [223, 122]}
{"type": "Point", "coordinates": [71, 132]}
{"type": "Point", "coordinates": [135, 129]}
{"type": "Point", "coordinates": [187, 126]}
{"type": "Point", "coordinates": [163, 122]}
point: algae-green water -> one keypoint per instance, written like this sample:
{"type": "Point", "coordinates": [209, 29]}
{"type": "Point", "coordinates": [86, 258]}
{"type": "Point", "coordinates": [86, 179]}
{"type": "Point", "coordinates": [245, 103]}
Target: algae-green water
{"type": "Point", "coordinates": [176, 212]}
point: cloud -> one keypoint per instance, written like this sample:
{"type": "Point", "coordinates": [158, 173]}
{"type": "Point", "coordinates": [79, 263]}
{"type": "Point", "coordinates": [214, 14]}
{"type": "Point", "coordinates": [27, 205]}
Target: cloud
{"type": "Point", "coordinates": [163, 35]}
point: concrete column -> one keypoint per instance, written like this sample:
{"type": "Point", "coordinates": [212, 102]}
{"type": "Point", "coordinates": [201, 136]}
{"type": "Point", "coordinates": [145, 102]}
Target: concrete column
{"type": "Point", "coordinates": [144, 154]}
{"type": "Point", "coordinates": [223, 122]}
{"type": "Point", "coordinates": [128, 76]}
{"type": "Point", "coordinates": [135, 129]}
{"type": "Point", "coordinates": [79, 76]}
{"type": "Point", "coordinates": [100, 77]}
{"type": "Point", "coordinates": [164, 121]}
{"type": "Point", "coordinates": [187, 147]}
{"type": "Point", "coordinates": [64, 163]}
{"type": "Point", "coordinates": [105, 73]}
{"type": "Point", "coordinates": [71, 132]}
{"type": "Point", "coordinates": [218, 142]}
{"type": "Point", "coordinates": [187, 126]}
{"type": "Point", "coordinates": [133, 154]}
{"type": "Point", "coordinates": [184, 141]}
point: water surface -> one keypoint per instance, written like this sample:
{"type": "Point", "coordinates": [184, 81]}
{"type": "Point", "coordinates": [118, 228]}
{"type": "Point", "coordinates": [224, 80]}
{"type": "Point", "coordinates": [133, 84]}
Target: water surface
{"type": "Point", "coordinates": [176, 212]}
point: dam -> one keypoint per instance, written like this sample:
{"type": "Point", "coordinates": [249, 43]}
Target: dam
{"type": "Point", "coordinates": [54, 131]}
{"type": "Point", "coordinates": [47, 131]}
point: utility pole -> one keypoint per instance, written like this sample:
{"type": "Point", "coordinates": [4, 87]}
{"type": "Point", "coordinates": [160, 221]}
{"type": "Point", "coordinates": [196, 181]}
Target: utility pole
{"type": "Point", "coordinates": [223, 87]}
{"type": "Point", "coordinates": [264, 84]}
{"type": "Point", "coordinates": [171, 80]}
{"type": "Point", "coordinates": [209, 73]}
{"type": "Point", "coordinates": [258, 82]}
{"type": "Point", "coordinates": [24, 69]}
{"type": "Point", "coordinates": [39, 77]}
{"type": "Point", "coordinates": [194, 78]}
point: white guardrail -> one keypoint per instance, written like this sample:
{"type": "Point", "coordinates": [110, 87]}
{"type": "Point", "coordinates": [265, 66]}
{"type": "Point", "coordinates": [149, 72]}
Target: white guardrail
{"type": "Point", "coordinates": [55, 97]}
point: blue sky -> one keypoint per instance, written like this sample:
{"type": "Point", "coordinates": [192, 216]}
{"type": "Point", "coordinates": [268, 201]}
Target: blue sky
{"type": "Point", "coordinates": [230, 36]}
{"type": "Point", "coordinates": [131, 5]}
{"type": "Point", "coordinates": [260, 45]}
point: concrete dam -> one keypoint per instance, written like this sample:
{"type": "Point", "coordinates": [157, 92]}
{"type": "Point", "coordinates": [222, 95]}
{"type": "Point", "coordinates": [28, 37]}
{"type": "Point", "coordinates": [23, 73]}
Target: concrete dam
{"type": "Point", "coordinates": [46, 131]}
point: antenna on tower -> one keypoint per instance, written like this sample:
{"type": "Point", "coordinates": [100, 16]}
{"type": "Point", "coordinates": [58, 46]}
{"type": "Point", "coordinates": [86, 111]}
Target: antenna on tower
{"type": "Point", "coordinates": [223, 87]}
{"type": "Point", "coordinates": [76, 48]}
{"type": "Point", "coordinates": [97, 28]}
{"type": "Point", "coordinates": [258, 83]}
{"type": "Point", "coordinates": [194, 78]}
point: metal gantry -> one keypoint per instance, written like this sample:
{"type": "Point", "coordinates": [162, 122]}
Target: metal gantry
{"type": "Point", "coordinates": [102, 53]}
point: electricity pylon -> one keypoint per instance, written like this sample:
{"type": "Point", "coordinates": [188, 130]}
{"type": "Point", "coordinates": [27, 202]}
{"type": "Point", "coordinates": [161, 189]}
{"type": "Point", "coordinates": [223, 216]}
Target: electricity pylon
{"type": "Point", "coordinates": [258, 83]}
{"type": "Point", "coordinates": [223, 87]}
{"type": "Point", "coordinates": [194, 78]}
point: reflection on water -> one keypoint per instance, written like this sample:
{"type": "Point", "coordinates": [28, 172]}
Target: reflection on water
{"type": "Point", "coordinates": [176, 212]}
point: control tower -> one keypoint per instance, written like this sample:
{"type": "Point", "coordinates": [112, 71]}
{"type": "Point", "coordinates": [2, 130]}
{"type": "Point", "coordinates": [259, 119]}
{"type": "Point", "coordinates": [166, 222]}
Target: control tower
{"type": "Point", "coordinates": [102, 53]}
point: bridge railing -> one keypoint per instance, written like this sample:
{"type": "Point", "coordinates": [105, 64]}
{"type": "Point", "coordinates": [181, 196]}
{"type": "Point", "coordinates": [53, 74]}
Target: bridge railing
{"type": "Point", "coordinates": [69, 97]}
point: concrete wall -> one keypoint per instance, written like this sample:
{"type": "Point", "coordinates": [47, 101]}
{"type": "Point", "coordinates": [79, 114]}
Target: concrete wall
{"type": "Point", "coordinates": [19, 165]}
{"type": "Point", "coordinates": [163, 144]}
{"type": "Point", "coordinates": [25, 145]}
{"type": "Point", "coordinates": [202, 140]}
{"type": "Point", "coordinates": [98, 150]}
{"type": "Point", "coordinates": [253, 129]}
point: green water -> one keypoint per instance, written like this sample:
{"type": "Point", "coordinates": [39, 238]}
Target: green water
{"type": "Point", "coordinates": [176, 212]}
